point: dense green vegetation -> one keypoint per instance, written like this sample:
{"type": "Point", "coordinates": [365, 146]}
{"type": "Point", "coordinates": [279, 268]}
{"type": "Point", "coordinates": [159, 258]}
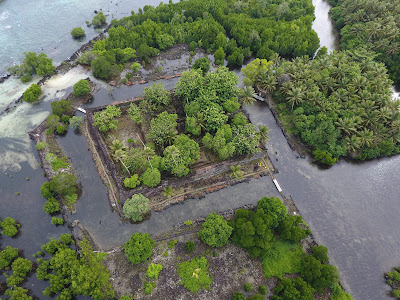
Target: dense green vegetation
{"type": "Point", "coordinates": [372, 25]}
{"type": "Point", "coordinates": [99, 20]}
{"type": "Point", "coordinates": [63, 187]}
{"type": "Point", "coordinates": [32, 93]}
{"type": "Point", "coordinates": [194, 274]}
{"type": "Point", "coordinates": [205, 107]}
{"type": "Point", "coordinates": [9, 226]}
{"type": "Point", "coordinates": [33, 64]}
{"type": "Point", "coordinates": [136, 207]}
{"type": "Point", "coordinates": [78, 32]}
{"type": "Point", "coordinates": [339, 105]}
{"type": "Point", "coordinates": [393, 279]}
{"type": "Point", "coordinates": [70, 274]}
{"type": "Point", "coordinates": [264, 232]}
{"type": "Point", "coordinates": [253, 27]}
{"type": "Point", "coordinates": [139, 247]}
{"type": "Point", "coordinates": [81, 88]}
{"type": "Point", "coordinates": [215, 231]}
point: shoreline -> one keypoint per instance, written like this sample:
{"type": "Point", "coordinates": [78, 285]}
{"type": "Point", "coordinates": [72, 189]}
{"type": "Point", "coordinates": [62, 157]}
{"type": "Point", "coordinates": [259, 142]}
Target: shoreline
{"type": "Point", "coordinates": [62, 68]}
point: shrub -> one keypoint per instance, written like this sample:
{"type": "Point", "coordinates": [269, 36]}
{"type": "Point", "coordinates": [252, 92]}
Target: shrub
{"type": "Point", "coordinates": [194, 274]}
{"type": "Point", "coordinates": [239, 119]}
{"type": "Point", "coordinates": [77, 32]}
{"type": "Point", "coordinates": [321, 253]}
{"type": "Point", "coordinates": [40, 145]}
{"type": "Point", "coordinates": [61, 107]}
{"type": "Point", "coordinates": [157, 94]}
{"type": "Point", "coordinates": [17, 293]}
{"type": "Point", "coordinates": [9, 226]}
{"type": "Point", "coordinates": [215, 231]}
{"type": "Point", "coordinates": [135, 207]}
{"type": "Point", "coordinates": [135, 113]}
{"type": "Point", "coordinates": [81, 88]}
{"type": "Point", "coordinates": [219, 56]}
{"type": "Point", "coordinates": [26, 78]}
{"type": "Point", "coordinates": [99, 20]}
{"type": "Point", "coordinates": [51, 206]}
{"type": "Point", "coordinates": [149, 287]}
{"type": "Point", "coordinates": [132, 181]}
{"type": "Point", "coordinates": [135, 67]}
{"type": "Point", "coordinates": [123, 80]}
{"type": "Point", "coordinates": [318, 275]}
{"type": "Point", "coordinates": [64, 184]}
{"type": "Point", "coordinates": [139, 247]}
{"type": "Point", "coordinates": [61, 129]}
{"type": "Point", "coordinates": [32, 93]}
{"type": "Point", "coordinates": [238, 296]}
{"type": "Point", "coordinates": [106, 119]}
{"type": "Point", "coordinates": [86, 58]}
{"type": "Point", "coordinates": [103, 69]}
{"type": "Point", "coordinates": [57, 221]}
{"type": "Point", "coordinates": [153, 270]}
{"type": "Point", "coordinates": [262, 289]}
{"type": "Point", "coordinates": [293, 289]}
{"type": "Point", "coordinates": [151, 177]}
{"type": "Point", "coordinates": [20, 267]}
{"type": "Point", "coordinates": [189, 246]}
{"type": "Point", "coordinates": [65, 119]}
{"type": "Point", "coordinates": [203, 64]}
{"type": "Point", "coordinates": [248, 287]}
{"type": "Point", "coordinates": [75, 122]}
{"type": "Point", "coordinates": [7, 256]}
{"type": "Point", "coordinates": [172, 243]}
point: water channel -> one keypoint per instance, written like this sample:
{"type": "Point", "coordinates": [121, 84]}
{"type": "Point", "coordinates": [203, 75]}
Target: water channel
{"type": "Point", "coordinates": [351, 208]}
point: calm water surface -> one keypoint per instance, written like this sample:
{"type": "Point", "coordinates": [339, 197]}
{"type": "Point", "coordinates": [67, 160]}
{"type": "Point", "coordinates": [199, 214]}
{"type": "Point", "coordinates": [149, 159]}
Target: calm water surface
{"type": "Point", "coordinates": [351, 208]}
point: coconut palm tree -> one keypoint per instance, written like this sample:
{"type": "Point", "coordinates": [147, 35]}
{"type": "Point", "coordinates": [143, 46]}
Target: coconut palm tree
{"type": "Point", "coordinates": [269, 83]}
{"type": "Point", "coordinates": [148, 153]}
{"type": "Point", "coordinates": [174, 152]}
{"type": "Point", "coordinates": [347, 125]}
{"type": "Point", "coordinates": [236, 172]}
{"type": "Point", "coordinates": [117, 145]}
{"type": "Point", "coordinates": [246, 95]}
{"type": "Point", "coordinates": [366, 137]}
{"type": "Point", "coordinates": [352, 143]}
{"type": "Point", "coordinates": [295, 96]}
{"type": "Point", "coordinates": [121, 156]}
{"type": "Point", "coordinates": [263, 132]}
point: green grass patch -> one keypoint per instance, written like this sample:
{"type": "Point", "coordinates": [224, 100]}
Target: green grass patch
{"type": "Point", "coordinates": [283, 258]}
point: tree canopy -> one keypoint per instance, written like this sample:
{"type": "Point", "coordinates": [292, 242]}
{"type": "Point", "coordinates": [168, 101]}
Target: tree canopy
{"type": "Point", "coordinates": [339, 105]}
{"type": "Point", "coordinates": [139, 247]}
{"type": "Point", "coordinates": [136, 207]}
{"type": "Point", "coordinates": [33, 64]}
{"type": "Point", "coordinates": [215, 231]}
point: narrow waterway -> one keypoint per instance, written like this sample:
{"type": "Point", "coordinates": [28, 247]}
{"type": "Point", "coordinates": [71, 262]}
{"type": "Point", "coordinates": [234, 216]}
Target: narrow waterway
{"type": "Point", "coordinates": [323, 26]}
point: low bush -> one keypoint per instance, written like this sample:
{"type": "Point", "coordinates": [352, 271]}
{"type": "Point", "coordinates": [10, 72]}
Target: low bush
{"type": "Point", "coordinates": [57, 221]}
{"type": "Point", "coordinates": [153, 270]}
{"type": "Point", "coordinates": [82, 88]}
{"type": "Point", "coordinates": [32, 93]}
{"type": "Point", "coordinates": [189, 246]}
{"type": "Point", "coordinates": [194, 274]}
{"type": "Point", "coordinates": [78, 32]}
{"type": "Point", "coordinates": [9, 226]}
{"type": "Point", "coordinates": [40, 145]}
